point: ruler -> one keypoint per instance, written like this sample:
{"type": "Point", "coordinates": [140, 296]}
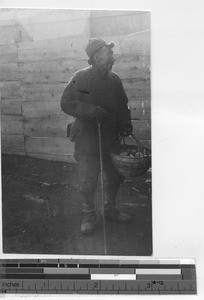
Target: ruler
{"type": "Point", "coordinates": [92, 276]}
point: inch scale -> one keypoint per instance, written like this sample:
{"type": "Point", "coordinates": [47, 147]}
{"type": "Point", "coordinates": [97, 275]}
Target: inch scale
{"type": "Point", "coordinates": [92, 276]}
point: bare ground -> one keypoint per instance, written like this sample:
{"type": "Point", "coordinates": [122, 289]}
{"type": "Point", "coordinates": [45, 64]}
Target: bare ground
{"type": "Point", "coordinates": [42, 212]}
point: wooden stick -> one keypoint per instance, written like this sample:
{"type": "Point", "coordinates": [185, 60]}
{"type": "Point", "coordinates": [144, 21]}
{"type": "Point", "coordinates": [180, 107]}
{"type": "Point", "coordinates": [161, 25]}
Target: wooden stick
{"type": "Point", "coordinates": [102, 186]}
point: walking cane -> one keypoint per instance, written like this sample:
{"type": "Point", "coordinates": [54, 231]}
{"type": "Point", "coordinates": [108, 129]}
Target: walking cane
{"type": "Point", "coordinates": [102, 186]}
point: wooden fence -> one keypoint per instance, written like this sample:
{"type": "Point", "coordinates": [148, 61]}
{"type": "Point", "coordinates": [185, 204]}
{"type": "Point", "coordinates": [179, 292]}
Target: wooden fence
{"type": "Point", "coordinates": [39, 52]}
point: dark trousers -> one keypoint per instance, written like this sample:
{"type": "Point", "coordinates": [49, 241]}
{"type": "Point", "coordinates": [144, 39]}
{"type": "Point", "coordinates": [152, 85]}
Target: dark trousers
{"type": "Point", "coordinates": [89, 170]}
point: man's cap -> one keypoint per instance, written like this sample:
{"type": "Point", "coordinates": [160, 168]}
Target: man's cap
{"type": "Point", "coordinates": [94, 44]}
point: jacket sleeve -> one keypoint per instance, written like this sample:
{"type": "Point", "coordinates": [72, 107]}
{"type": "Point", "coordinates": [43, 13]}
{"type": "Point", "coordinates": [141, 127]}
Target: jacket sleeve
{"type": "Point", "coordinates": [71, 100]}
{"type": "Point", "coordinates": [123, 112]}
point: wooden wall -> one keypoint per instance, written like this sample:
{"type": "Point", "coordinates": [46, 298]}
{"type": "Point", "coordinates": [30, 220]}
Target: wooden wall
{"type": "Point", "coordinates": [39, 52]}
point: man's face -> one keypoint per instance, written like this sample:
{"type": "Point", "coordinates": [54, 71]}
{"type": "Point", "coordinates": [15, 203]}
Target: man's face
{"type": "Point", "coordinates": [104, 58]}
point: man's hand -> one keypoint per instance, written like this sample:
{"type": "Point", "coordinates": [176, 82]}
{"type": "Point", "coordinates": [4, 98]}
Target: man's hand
{"type": "Point", "coordinates": [99, 114]}
{"type": "Point", "coordinates": [126, 131]}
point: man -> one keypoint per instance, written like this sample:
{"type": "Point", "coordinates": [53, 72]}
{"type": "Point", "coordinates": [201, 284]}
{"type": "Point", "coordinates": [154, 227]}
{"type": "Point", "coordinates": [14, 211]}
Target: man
{"type": "Point", "coordinates": [96, 95]}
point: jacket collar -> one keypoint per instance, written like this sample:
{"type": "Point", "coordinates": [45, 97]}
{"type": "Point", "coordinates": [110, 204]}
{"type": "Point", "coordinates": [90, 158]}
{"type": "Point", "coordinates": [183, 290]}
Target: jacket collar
{"type": "Point", "coordinates": [97, 73]}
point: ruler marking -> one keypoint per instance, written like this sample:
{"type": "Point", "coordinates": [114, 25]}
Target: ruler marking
{"type": "Point", "coordinates": [161, 281]}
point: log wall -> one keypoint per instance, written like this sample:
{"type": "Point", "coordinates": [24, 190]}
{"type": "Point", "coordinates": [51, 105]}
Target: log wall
{"type": "Point", "coordinates": [39, 52]}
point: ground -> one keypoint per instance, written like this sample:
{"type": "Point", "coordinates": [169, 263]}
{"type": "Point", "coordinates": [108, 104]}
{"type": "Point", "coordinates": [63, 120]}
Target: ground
{"type": "Point", "coordinates": [42, 212]}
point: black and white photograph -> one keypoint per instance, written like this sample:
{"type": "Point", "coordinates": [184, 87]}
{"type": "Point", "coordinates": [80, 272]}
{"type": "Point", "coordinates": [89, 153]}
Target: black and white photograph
{"type": "Point", "coordinates": [76, 131]}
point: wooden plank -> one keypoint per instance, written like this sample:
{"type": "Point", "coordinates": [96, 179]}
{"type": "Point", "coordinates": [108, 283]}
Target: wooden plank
{"type": "Point", "coordinates": [49, 145]}
{"type": "Point", "coordinates": [131, 68]}
{"type": "Point", "coordinates": [137, 89]}
{"type": "Point", "coordinates": [12, 144]}
{"type": "Point", "coordinates": [142, 129]}
{"type": "Point", "coordinates": [46, 118]}
{"type": "Point", "coordinates": [141, 60]}
{"type": "Point", "coordinates": [40, 92]}
{"type": "Point", "coordinates": [9, 72]}
{"type": "Point", "coordinates": [57, 128]}
{"type": "Point", "coordinates": [11, 107]}
{"type": "Point", "coordinates": [54, 127]}
{"type": "Point", "coordinates": [10, 90]}
{"type": "Point", "coordinates": [136, 43]}
{"type": "Point", "coordinates": [47, 72]}
{"type": "Point", "coordinates": [56, 157]}
{"type": "Point", "coordinates": [62, 70]}
{"type": "Point", "coordinates": [40, 109]}
{"type": "Point", "coordinates": [53, 49]}
{"type": "Point", "coordinates": [140, 109]}
{"type": "Point", "coordinates": [74, 47]}
{"type": "Point", "coordinates": [133, 72]}
{"type": "Point", "coordinates": [8, 54]}
{"type": "Point", "coordinates": [11, 125]}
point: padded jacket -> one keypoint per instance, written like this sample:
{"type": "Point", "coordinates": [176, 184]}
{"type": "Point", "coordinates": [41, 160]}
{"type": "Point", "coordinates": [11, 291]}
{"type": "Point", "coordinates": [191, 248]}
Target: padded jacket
{"type": "Point", "coordinates": [86, 90]}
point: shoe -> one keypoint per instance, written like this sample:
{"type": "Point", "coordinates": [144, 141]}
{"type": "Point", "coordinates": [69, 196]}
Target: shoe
{"type": "Point", "coordinates": [88, 224]}
{"type": "Point", "coordinates": [116, 216]}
